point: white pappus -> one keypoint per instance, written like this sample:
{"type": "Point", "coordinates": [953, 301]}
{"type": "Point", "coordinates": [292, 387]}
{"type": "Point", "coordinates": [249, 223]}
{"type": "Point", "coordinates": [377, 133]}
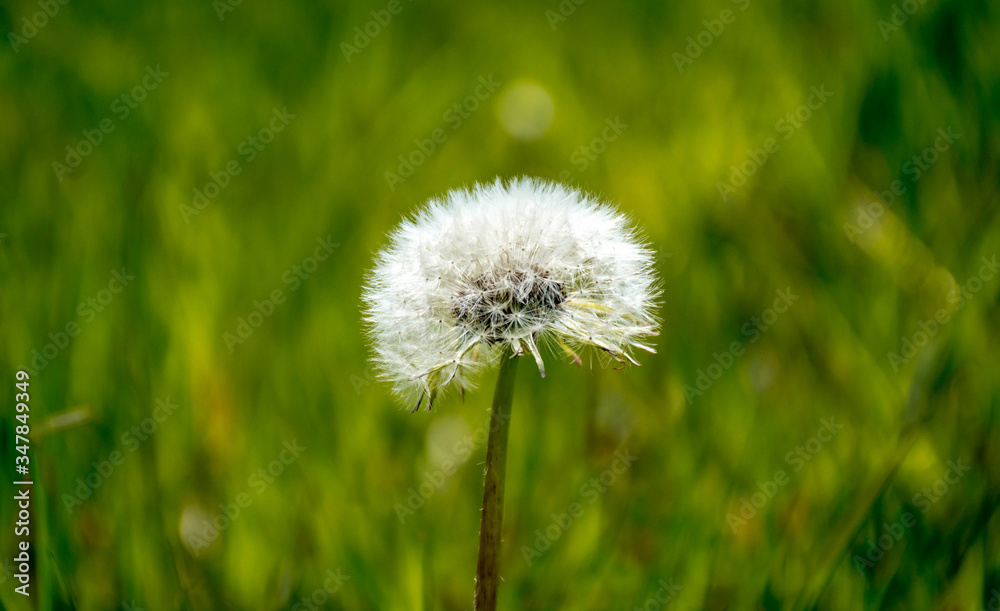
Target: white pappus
{"type": "Point", "coordinates": [506, 268]}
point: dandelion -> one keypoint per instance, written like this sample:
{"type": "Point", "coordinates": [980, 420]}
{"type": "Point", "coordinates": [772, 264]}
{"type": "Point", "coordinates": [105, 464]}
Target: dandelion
{"type": "Point", "coordinates": [481, 276]}
{"type": "Point", "coordinates": [506, 268]}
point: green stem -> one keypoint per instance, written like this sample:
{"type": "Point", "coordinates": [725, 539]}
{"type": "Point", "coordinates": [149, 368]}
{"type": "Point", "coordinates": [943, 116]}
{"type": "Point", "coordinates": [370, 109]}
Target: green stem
{"type": "Point", "coordinates": [491, 527]}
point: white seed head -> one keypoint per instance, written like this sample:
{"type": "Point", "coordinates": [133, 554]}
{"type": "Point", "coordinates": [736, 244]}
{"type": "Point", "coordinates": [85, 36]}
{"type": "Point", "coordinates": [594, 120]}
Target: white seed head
{"type": "Point", "coordinates": [506, 268]}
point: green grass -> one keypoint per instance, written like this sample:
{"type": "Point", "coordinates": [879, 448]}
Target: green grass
{"type": "Point", "coordinates": [350, 501]}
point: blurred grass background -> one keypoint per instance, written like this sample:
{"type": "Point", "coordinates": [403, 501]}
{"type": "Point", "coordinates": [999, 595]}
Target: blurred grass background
{"type": "Point", "coordinates": [301, 376]}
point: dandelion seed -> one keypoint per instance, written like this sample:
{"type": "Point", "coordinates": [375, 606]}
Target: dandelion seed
{"type": "Point", "coordinates": [527, 266]}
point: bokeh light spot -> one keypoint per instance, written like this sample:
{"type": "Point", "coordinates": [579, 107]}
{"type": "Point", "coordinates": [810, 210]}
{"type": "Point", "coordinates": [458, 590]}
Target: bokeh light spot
{"type": "Point", "coordinates": [525, 111]}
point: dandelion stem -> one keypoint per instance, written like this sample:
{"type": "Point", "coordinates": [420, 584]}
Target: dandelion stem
{"type": "Point", "coordinates": [491, 527]}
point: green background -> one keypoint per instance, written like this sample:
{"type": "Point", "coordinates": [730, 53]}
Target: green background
{"type": "Point", "coordinates": [302, 377]}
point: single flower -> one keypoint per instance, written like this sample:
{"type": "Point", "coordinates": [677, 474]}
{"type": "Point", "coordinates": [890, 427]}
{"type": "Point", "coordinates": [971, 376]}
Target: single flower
{"type": "Point", "coordinates": [506, 268]}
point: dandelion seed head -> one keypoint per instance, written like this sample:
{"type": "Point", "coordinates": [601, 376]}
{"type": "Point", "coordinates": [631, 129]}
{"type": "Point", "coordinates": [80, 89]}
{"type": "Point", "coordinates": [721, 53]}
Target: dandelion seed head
{"type": "Point", "coordinates": [500, 268]}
